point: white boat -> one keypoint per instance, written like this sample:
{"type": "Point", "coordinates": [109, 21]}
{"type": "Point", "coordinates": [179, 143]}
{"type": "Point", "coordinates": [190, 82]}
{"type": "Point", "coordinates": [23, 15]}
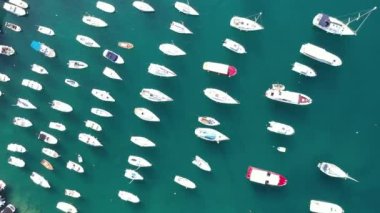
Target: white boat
{"type": "Point", "coordinates": [125, 44]}
{"type": "Point", "coordinates": [31, 84]}
{"type": "Point", "coordinates": [43, 49]}
{"type": "Point", "coordinates": [72, 193]}
{"type": "Point", "coordinates": [142, 141]}
{"type": "Point", "coordinates": [61, 106]}
{"type": "Point", "coordinates": [110, 73]}
{"type": "Point", "coordinates": [51, 153]}
{"type": "Point", "coordinates": [79, 158]}
{"type": "Point", "coordinates": [146, 114]}
{"type": "Point", "coordinates": [143, 6]}
{"type": "Point", "coordinates": [179, 28]}
{"type": "Point", "coordinates": [265, 177]}
{"type": "Point", "coordinates": [25, 104]}
{"type": "Point", "coordinates": [19, 3]}
{"type": "Point", "coordinates": [160, 70]}
{"type": "Point", "coordinates": [87, 41]}
{"type": "Point", "coordinates": [93, 125]}
{"type": "Point", "coordinates": [246, 24]}
{"type": "Point", "coordinates": [171, 49]}
{"type": "Point", "coordinates": [39, 69]}
{"type": "Point", "coordinates": [281, 149]}
{"type": "Point", "coordinates": [318, 206]}
{"type": "Point", "coordinates": [133, 175]}
{"type": "Point", "coordinates": [16, 10]}
{"type": "Point", "coordinates": [17, 162]}
{"type": "Point", "coordinates": [12, 26]}
{"type": "Point", "coordinates": [14, 147]}
{"type": "Point", "coordinates": [155, 95]}
{"type": "Point", "coordinates": [74, 64]}
{"type": "Point", "coordinates": [3, 185]}
{"type": "Point", "coordinates": [127, 196]}
{"type": "Point", "coordinates": [57, 126]}
{"type": "Point", "coordinates": [138, 161]}
{"type": "Point", "coordinates": [22, 122]}
{"type": "Point", "coordinates": [280, 128]}
{"type": "Point", "coordinates": [303, 70]}
{"type": "Point", "coordinates": [234, 46]}
{"type": "Point", "coordinates": [101, 112]}
{"type": "Point", "coordinates": [6, 50]}
{"type": "Point", "coordinates": [278, 93]}
{"type": "Point", "coordinates": [102, 95]}
{"type": "Point", "coordinates": [66, 207]}
{"type": "Point", "coordinates": [185, 8]}
{"type": "Point", "coordinates": [39, 180]}
{"type": "Point", "coordinates": [320, 54]}
{"type": "Point", "coordinates": [71, 82]}
{"type": "Point", "coordinates": [74, 166]}
{"type": "Point", "coordinates": [209, 134]}
{"type": "Point", "coordinates": [202, 164]}
{"type": "Point", "coordinates": [219, 68]}
{"type": "Point", "coordinates": [45, 30]}
{"type": "Point", "coordinates": [334, 171]}
{"type": "Point", "coordinates": [208, 121]}
{"type": "Point", "coordinates": [219, 96]}
{"type": "Point", "coordinates": [89, 139]}
{"type": "Point", "coordinates": [94, 21]}
{"type": "Point", "coordinates": [4, 78]}
{"type": "Point", "coordinates": [112, 56]}
{"type": "Point", "coordinates": [188, 184]}
{"type": "Point", "coordinates": [335, 26]}
{"type": "Point", "coordinates": [104, 6]}
{"type": "Point", "coordinates": [48, 138]}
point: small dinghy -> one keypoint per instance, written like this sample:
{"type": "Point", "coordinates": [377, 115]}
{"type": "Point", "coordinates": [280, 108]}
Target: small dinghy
{"type": "Point", "coordinates": [57, 126]}
{"type": "Point", "coordinates": [142, 141]}
{"type": "Point", "coordinates": [334, 171]}
{"type": "Point", "coordinates": [22, 122]}
{"type": "Point", "coordinates": [87, 41]}
{"type": "Point", "coordinates": [208, 121]}
{"type": "Point", "coordinates": [61, 106]}
{"type": "Point", "coordinates": [48, 138]}
{"type": "Point", "coordinates": [185, 8]}
{"type": "Point", "coordinates": [110, 73]}
{"type": "Point", "coordinates": [188, 184]}
{"type": "Point", "coordinates": [127, 196]}
{"type": "Point", "coordinates": [125, 45]}
{"type": "Point", "coordinates": [146, 114]}
{"type": "Point", "coordinates": [132, 175]}
{"type": "Point", "coordinates": [202, 164]}
{"type": "Point", "coordinates": [104, 6]}
{"type": "Point", "coordinates": [72, 193]}
{"type": "Point", "coordinates": [303, 70]}
{"type": "Point", "coordinates": [94, 21]}
{"type": "Point", "coordinates": [101, 112]}
{"type": "Point", "coordinates": [280, 128]}
{"type": "Point", "coordinates": [179, 28]}
{"type": "Point", "coordinates": [45, 30]}
{"type": "Point", "coordinates": [74, 166]}
{"type": "Point", "coordinates": [143, 6]}
{"type": "Point", "coordinates": [47, 164]}
{"type": "Point", "coordinates": [14, 147]}
{"type": "Point", "coordinates": [79, 158]}
{"type": "Point", "coordinates": [74, 64]}
{"type": "Point", "coordinates": [93, 125]}
{"type": "Point", "coordinates": [31, 84]}
{"type": "Point", "coordinates": [71, 82]}
{"type": "Point", "coordinates": [13, 27]}
{"type": "Point", "coordinates": [138, 161]}
{"type": "Point", "coordinates": [39, 69]}
{"type": "Point", "coordinates": [66, 207]}
{"type": "Point", "coordinates": [49, 152]}
{"type": "Point", "coordinates": [17, 162]}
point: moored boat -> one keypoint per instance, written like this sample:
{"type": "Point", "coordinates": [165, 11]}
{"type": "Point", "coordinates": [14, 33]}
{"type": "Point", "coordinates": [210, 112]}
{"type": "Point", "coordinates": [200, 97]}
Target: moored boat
{"type": "Point", "coordinates": [39, 180]}
{"type": "Point", "coordinates": [209, 134]}
{"type": "Point", "coordinates": [146, 114]}
{"type": "Point", "coordinates": [171, 50]}
{"type": "Point", "coordinates": [17, 162]}
{"type": "Point", "coordinates": [318, 206]}
{"type": "Point", "coordinates": [24, 104]}
{"type": "Point", "coordinates": [110, 73]}
{"type": "Point", "coordinates": [246, 24]}
{"type": "Point", "coordinates": [43, 48]}
{"type": "Point", "coordinates": [112, 56]}
{"type": "Point", "coordinates": [154, 95]}
{"type": "Point", "coordinates": [57, 126]}
{"type": "Point", "coordinates": [71, 82]}
{"type": "Point", "coordinates": [15, 10]}
{"type": "Point", "coordinates": [142, 141]}
{"type": "Point", "coordinates": [3, 185]}
{"type": "Point", "coordinates": [93, 125]}
{"type": "Point", "coordinates": [61, 106]}
{"type": "Point", "coordinates": [280, 128]}
{"type": "Point", "coordinates": [72, 193]}
{"type": "Point", "coordinates": [39, 69]}
{"type": "Point", "coordinates": [4, 78]}
{"type": "Point", "coordinates": [127, 196]}
{"type": "Point", "coordinates": [125, 45]}
{"type": "Point", "coordinates": [94, 21]}
{"type": "Point", "coordinates": [334, 171]}
{"type": "Point", "coordinates": [14, 147]}
{"type": "Point", "coordinates": [51, 153]}
{"type": "Point", "coordinates": [143, 6]}
{"type": "Point", "coordinates": [132, 175]}
{"type": "Point", "coordinates": [45, 30]}
{"type": "Point", "coordinates": [104, 6]}
{"type": "Point", "coordinates": [66, 207]}
{"type": "Point", "coordinates": [265, 177]}
{"type": "Point", "coordinates": [22, 122]}
{"type": "Point", "coordinates": [138, 161]}
{"type": "Point", "coordinates": [48, 138]}
{"type": "Point", "coordinates": [234, 46]}
{"type": "Point", "coordinates": [79, 158]}
{"type": "Point", "coordinates": [47, 164]}
{"type": "Point", "coordinates": [278, 93]}
{"type": "Point", "coordinates": [320, 54]}
{"type": "Point", "coordinates": [100, 112]}
{"type": "Point", "coordinates": [185, 8]}
{"type": "Point", "coordinates": [74, 166]}
{"type": "Point", "coordinates": [202, 164]}
{"type": "Point", "coordinates": [102, 95]}
{"type": "Point", "coordinates": [188, 184]}
{"type": "Point", "coordinates": [89, 139]}
{"type": "Point", "coordinates": [159, 70]}
{"type": "Point", "coordinates": [219, 96]}
{"type": "Point", "coordinates": [19, 3]}
{"type": "Point", "coordinates": [219, 68]}
{"type": "Point", "coordinates": [12, 26]}
{"type": "Point", "coordinates": [208, 121]}
{"type": "Point", "coordinates": [179, 28]}
{"type": "Point", "coordinates": [303, 70]}
{"type": "Point", "coordinates": [74, 64]}
{"type": "Point", "coordinates": [87, 41]}
{"type": "Point", "coordinates": [6, 50]}
{"type": "Point", "coordinates": [31, 84]}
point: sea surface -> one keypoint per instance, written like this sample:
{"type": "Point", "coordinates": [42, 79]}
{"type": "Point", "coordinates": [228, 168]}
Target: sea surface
{"type": "Point", "coordinates": [341, 126]}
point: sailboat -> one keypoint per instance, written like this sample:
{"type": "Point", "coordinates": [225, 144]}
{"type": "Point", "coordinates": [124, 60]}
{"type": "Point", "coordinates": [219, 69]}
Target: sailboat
{"type": "Point", "coordinates": [334, 171]}
{"type": "Point", "coordinates": [335, 26]}
{"type": "Point", "coordinates": [246, 24]}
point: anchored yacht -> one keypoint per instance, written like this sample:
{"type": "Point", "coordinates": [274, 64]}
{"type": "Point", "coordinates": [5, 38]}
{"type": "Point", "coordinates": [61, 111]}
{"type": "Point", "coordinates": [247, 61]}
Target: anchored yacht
{"type": "Point", "coordinates": [278, 93]}
{"type": "Point", "coordinates": [320, 54]}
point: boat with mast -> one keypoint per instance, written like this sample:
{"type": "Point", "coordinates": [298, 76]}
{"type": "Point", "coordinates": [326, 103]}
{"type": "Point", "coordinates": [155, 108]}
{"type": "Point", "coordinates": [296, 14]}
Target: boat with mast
{"type": "Point", "coordinates": [334, 171]}
{"type": "Point", "coordinates": [146, 115]}
{"type": "Point", "coordinates": [100, 112]}
{"type": "Point", "coordinates": [138, 161]}
{"type": "Point", "coordinates": [219, 96]}
{"type": "Point", "coordinates": [320, 54]}
{"type": "Point", "coordinates": [127, 196]}
{"type": "Point", "coordinates": [142, 141]}
{"type": "Point", "coordinates": [24, 104]}
{"type": "Point", "coordinates": [160, 70]}
{"type": "Point", "coordinates": [246, 24]}
{"type": "Point", "coordinates": [171, 49]}
{"type": "Point", "coordinates": [185, 8]}
{"type": "Point", "coordinates": [154, 95]}
{"type": "Point", "coordinates": [102, 95]}
{"type": "Point", "coordinates": [132, 175]}
{"type": "Point", "coordinates": [143, 6]}
{"type": "Point", "coordinates": [94, 21]}
{"type": "Point", "coordinates": [188, 184]}
{"type": "Point", "coordinates": [179, 28]}
{"type": "Point", "coordinates": [278, 93]}
{"type": "Point", "coordinates": [87, 41]}
{"type": "Point", "coordinates": [112, 74]}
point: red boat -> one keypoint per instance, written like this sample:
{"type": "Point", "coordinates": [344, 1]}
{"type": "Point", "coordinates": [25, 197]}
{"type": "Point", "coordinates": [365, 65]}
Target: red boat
{"type": "Point", "coordinates": [265, 177]}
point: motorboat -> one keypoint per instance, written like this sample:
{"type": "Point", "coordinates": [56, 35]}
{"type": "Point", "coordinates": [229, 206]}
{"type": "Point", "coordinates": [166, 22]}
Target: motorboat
{"type": "Point", "coordinates": [234, 46]}
{"type": "Point", "coordinates": [47, 164]}
{"type": "Point", "coordinates": [127, 196]}
{"type": "Point", "coordinates": [66, 207]}
{"type": "Point", "coordinates": [280, 128]}
{"type": "Point", "coordinates": [219, 68]}
{"type": "Point", "coordinates": [303, 70]}
{"type": "Point", "coordinates": [202, 164]}
{"type": "Point", "coordinates": [43, 48]}
{"type": "Point", "coordinates": [209, 134]}
{"type": "Point", "coordinates": [335, 26]}
{"type": "Point", "coordinates": [94, 21]}
{"type": "Point", "coordinates": [89, 139]}
{"type": "Point", "coordinates": [31, 84]}
{"type": "Point", "coordinates": [6, 50]}
{"type": "Point", "coordinates": [125, 45]}
{"type": "Point", "coordinates": [4, 78]}
{"type": "Point", "coordinates": [74, 166]}
{"type": "Point", "coordinates": [25, 104]}
{"type": "Point", "coordinates": [57, 126]}
{"type": "Point", "coordinates": [281, 149]}
{"type": "Point", "coordinates": [142, 141]}
{"type": "Point", "coordinates": [12, 26]}
{"type": "Point", "coordinates": [143, 6]}
{"type": "Point", "coordinates": [110, 73]}
{"type": "Point", "coordinates": [102, 95]}
{"type": "Point", "coordinates": [132, 175]}
{"type": "Point", "coordinates": [138, 161]}
{"type": "Point", "coordinates": [39, 69]}
{"type": "Point", "coordinates": [93, 125]}
{"type": "Point", "coordinates": [159, 70]}
{"type": "Point", "coordinates": [219, 96]}
{"type": "Point", "coordinates": [74, 64]}
{"type": "Point", "coordinates": [185, 8]}
{"type": "Point", "coordinates": [100, 112]}
{"type": "Point", "coordinates": [87, 41]}
{"type": "Point", "coordinates": [17, 162]}
{"type": "Point", "coordinates": [188, 184]}
{"type": "Point", "coordinates": [112, 56]}
{"type": "Point", "coordinates": [15, 10]}
{"type": "Point", "coordinates": [278, 93]}
{"type": "Point", "coordinates": [61, 106]}
{"type": "Point", "coordinates": [22, 122]}
{"type": "Point", "coordinates": [71, 83]}
{"type": "Point", "coordinates": [265, 177]}
{"type": "Point", "coordinates": [3, 185]}
{"type": "Point", "coordinates": [8, 209]}
{"type": "Point", "coordinates": [51, 153]}
{"type": "Point", "coordinates": [208, 121]}
{"type": "Point", "coordinates": [72, 193]}
{"type": "Point", "coordinates": [246, 24]}
{"type": "Point", "coordinates": [320, 54]}
{"type": "Point", "coordinates": [171, 50]}
{"type": "Point", "coordinates": [145, 114]}
{"type": "Point", "coordinates": [39, 180]}
{"type": "Point", "coordinates": [48, 138]}
{"type": "Point", "coordinates": [14, 147]}
{"type": "Point", "coordinates": [334, 171]}
{"type": "Point", "coordinates": [318, 206]}
{"type": "Point", "coordinates": [19, 3]}
{"type": "Point", "coordinates": [45, 30]}
{"type": "Point", "coordinates": [105, 7]}
{"type": "Point", "coordinates": [179, 28]}
{"type": "Point", "coordinates": [154, 95]}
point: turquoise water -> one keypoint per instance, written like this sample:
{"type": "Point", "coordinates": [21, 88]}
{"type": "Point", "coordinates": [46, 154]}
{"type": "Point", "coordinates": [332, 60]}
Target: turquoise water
{"type": "Point", "coordinates": [341, 126]}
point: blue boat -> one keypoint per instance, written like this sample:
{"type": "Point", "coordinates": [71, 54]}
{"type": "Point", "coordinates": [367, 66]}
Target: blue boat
{"type": "Point", "coordinates": [43, 48]}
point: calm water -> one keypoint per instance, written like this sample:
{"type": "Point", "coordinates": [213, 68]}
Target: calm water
{"type": "Point", "coordinates": [341, 126]}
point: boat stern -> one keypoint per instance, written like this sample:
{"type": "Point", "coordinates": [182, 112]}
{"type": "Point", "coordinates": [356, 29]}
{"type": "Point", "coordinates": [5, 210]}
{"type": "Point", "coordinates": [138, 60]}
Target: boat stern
{"type": "Point", "coordinates": [232, 71]}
